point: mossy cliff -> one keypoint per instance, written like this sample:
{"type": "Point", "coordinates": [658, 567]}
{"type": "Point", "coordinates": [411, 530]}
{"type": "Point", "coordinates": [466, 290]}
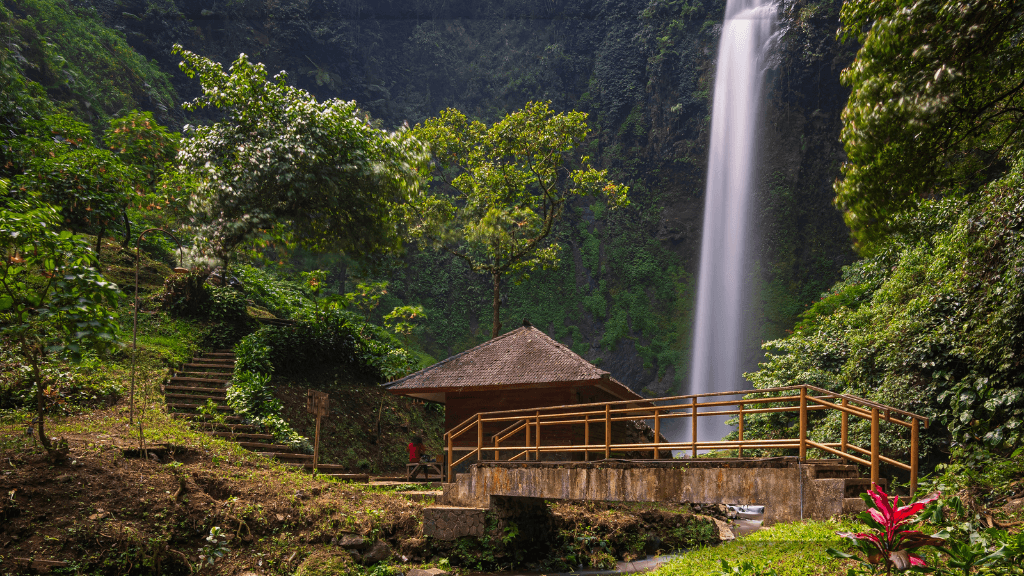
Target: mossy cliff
{"type": "Point", "coordinates": [643, 70]}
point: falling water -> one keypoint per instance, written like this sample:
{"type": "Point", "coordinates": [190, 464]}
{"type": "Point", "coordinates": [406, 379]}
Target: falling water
{"type": "Point", "coordinates": [717, 340]}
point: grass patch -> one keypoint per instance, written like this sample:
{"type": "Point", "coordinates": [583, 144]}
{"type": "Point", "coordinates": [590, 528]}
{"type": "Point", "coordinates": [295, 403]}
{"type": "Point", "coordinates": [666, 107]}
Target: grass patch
{"type": "Point", "coordinates": [795, 549]}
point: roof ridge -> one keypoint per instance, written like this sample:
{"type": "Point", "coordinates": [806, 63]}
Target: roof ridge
{"type": "Point", "coordinates": [455, 356]}
{"type": "Point", "coordinates": [568, 352]}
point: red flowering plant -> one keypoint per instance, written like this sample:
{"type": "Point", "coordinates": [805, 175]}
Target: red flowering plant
{"type": "Point", "coordinates": [890, 544]}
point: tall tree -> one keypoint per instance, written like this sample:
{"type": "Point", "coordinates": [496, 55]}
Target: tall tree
{"type": "Point", "coordinates": [51, 295]}
{"type": "Point", "coordinates": [499, 190]}
{"type": "Point", "coordinates": [936, 107]}
{"type": "Point", "coordinates": [279, 155]}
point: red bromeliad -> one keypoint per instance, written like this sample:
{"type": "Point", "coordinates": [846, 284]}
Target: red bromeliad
{"type": "Point", "coordinates": [890, 544]}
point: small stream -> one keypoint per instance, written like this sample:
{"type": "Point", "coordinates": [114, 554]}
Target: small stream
{"type": "Point", "coordinates": [748, 520]}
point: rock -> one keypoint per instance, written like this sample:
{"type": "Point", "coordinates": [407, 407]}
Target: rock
{"type": "Point", "coordinates": [724, 531]}
{"type": "Point", "coordinates": [413, 546]}
{"type": "Point", "coordinates": [379, 552]}
{"type": "Point", "coordinates": [352, 541]}
{"type": "Point", "coordinates": [427, 572]}
{"type": "Point", "coordinates": [99, 515]}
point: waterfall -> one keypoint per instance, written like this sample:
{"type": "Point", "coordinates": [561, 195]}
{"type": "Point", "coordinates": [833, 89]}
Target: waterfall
{"type": "Point", "coordinates": [717, 356]}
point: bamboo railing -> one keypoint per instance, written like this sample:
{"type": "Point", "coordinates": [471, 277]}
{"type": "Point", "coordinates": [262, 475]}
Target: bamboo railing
{"type": "Point", "coordinates": [527, 425]}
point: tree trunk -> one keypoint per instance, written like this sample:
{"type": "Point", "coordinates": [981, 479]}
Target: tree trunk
{"type": "Point", "coordinates": [99, 240]}
{"type": "Point", "coordinates": [127, 230]}
{"type": "Point", "coordinates": [497, 303]}
{"type": "Point", "coordinates": [43, 439]}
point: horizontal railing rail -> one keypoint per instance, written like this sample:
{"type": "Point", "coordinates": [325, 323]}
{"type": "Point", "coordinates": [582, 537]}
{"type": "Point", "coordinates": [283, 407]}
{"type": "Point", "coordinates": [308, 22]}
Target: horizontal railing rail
{"type": "Point", "coordinates": [527, 425]}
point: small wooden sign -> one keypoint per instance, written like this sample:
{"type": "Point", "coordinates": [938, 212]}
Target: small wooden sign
{"type": "Point", "coordinates": [319, 405]}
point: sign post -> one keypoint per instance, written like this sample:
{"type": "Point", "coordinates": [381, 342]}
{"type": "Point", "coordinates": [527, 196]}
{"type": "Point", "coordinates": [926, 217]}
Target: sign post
{"type": "Point", "coordinates": [318, 404]}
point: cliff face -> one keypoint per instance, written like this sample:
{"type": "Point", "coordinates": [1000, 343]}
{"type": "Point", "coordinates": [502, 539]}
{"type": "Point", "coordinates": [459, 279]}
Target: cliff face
{"type": "Point", "coordinates": [643, 70]}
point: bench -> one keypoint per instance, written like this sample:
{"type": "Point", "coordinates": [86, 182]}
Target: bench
{"type": "Point", "coordinates": [432, 468]}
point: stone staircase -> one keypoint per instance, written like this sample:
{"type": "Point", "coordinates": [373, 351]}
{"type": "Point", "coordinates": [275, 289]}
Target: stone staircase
{"type": "Point", "coordinates": [853, 484]}
{"type": "Point", "coordinates": [198, 393]}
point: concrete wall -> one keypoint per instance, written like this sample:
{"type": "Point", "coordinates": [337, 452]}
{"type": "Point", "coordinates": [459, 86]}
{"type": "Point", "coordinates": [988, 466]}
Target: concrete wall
{"type": "Point", "coordinates": [776, 483]}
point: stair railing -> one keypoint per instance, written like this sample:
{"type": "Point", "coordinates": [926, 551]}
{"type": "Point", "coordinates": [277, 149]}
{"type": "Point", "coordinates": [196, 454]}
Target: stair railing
{"type": "Point", "coordinates": [528, 425]}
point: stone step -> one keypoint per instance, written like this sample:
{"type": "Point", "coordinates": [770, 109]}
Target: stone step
{"type": "Point", "coordinates": [421, 495]}
{"type": "Point", "coordinates": [181, 406]}
{"type": "Point", "coordinates": [854, 487]}
{"type": "Point", "coordinates": [209, 367]}
{"type": "Point", "coordinates": [203, 374]}
{"type": "Point", "coordinates": [220, 354]}
{"type": "Point", "coordinates": [198, 380]}
{"type": "Point", "coordinates": [262, 446]}
{"type": "Point", "coordinates": [243, 437]}
{"type": "Point", "coordinates": [854, 506]}
{"type": "Point", "coordinates": [327, 468]}
{"type": "Point", "coordinates": [219, 400]}
{"type": "Point", "coordinates": [285, 456]}
{"type": "Point", "coordinates": [362, 478]}
{"type": "Point", "coordinates": [201, 419]}
{"type": "Point", "coordinates": [197, 389]}
{"type": "Point", "coordinates": [226, 428]}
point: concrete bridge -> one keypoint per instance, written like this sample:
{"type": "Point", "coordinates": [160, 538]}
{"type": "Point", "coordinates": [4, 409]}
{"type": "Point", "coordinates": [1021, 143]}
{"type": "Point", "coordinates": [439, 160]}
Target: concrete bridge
{"type": "Point", "coordinates": [521, 463]}
{"type": "Point", "coordinates": [788, 489]}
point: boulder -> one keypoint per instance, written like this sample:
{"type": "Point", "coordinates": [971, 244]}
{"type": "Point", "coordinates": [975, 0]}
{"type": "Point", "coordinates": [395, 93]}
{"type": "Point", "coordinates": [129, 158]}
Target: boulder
{"type": "Point", "coordinates": [378, 552]}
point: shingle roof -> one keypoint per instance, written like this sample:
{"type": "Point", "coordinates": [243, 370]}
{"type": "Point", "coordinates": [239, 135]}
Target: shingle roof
{"type": "Point", "coordinates": [523, 356]}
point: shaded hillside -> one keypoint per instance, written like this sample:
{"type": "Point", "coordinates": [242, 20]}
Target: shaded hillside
{"type": "Point", "coordinates": [643, 70]}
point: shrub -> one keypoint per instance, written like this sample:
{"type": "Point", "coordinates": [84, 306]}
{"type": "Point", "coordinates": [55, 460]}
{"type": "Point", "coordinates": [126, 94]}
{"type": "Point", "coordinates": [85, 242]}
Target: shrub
{"type": "Point", "coordinates": [251, 398]}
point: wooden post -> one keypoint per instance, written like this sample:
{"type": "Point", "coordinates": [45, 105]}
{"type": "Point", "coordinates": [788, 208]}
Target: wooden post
{"type": "Point", "coordinates": [537, 439]}
{"type": "Point", "coordinates": [741, 430]}
{"type": "Point", "coordinates": [693, 426]}
{"type": "Point", "coordinates": [607, 431]}
{"type": "Point", "coordinates": [803, 423]}
{"type": "Point", "coordinates": [874, 447]}
{"type": "Point", "coordinates": [527, 445]}
{"type": "Point", "coordinates": [586, 437]}
{"type": "Point", "coordinates": [657, 432]}
{"type": "Point", "coordinates": [496, 458]}
{"type": "Point", "coordinates": [844, 434]}
{"type": "Point", "coordinates": [451, 453]}
{"type": "Point", "coordinates": [914, 429]}
{"type": "Point", "coordinates": [318, 404]}
{"type": "Point", "coordinates": [479, 438]}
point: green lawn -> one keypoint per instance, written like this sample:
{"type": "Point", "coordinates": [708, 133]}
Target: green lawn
{"type": "Point", "coordinates": [789, 549]}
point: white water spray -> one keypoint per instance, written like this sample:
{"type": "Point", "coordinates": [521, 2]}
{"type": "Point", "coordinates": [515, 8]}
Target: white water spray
{"type": "Point", "coordinates": [717, 362]}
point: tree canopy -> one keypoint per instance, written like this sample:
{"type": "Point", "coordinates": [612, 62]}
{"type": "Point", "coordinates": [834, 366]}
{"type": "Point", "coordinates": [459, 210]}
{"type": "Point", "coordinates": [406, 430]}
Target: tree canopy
{"type": "Point", "coordinates": [936, 108]}
{"type": "Point", "coordinates": [279, 155]}
{"type": "Point", "coordinates": [499, 190]}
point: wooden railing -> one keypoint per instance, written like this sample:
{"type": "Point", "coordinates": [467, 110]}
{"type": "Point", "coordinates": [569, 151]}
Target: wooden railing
{"type": "Point", "coordinates": [527, 425]}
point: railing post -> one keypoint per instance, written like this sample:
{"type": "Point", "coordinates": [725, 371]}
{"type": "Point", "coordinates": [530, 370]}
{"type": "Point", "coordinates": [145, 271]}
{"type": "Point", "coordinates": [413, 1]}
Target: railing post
{"type": "Point", "coordinates": [693, 426]}
{"type": "Point", "coordinates": [537, 439]}
{"type": "Point", "coordinates": [496, 458]}
{"type": "Point", "coordinates": [874, 447]}
{"type": "Point", "coordinates": [657, 432]}
{"type": "Point", "coordinates": [451, 453]}
{"type": "Point", "coordinates": [586, 437]}
{"type": "Point", "coordinates": [803, 423]}
{"type": "Point", "coordinates": [844, 436]}
{"type": "Point", "coordinates": [914, 428]}
{"type": "Point", "coordinates": [607, 431]}
{"type": "Point", "coordinates": [479, 439]}
{"type": "Point", "coordinates": [527, 445]}
{"type": "Point", "coordinates": [741, 430]}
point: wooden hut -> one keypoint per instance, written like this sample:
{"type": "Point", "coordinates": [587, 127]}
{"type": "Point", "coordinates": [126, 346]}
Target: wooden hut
{"type": "Point", "coordinates": [522, 369]}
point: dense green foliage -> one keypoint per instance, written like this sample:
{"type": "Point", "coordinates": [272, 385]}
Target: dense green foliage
{"type": "Point", "coordinates": [280, 157]}
{"type": "Point", "coordinates": [931, 325]}
{"type": "Point", "coordinates": [936, 107]}
{"type": "Point", "coordinates": [501, 189]}
{"type": "Point", "coordinates": [251, 397]}
{"type": "Point", "coordinates": [52, 298]}
{"type": "Point", "coordinates": [321, 338]}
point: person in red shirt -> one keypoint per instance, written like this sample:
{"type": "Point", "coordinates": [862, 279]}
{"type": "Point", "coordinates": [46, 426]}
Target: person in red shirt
{"type": "Point", "coordinates": [418, 455]}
